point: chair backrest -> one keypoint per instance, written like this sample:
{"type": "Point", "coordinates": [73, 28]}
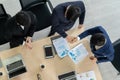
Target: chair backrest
{"type": "Point", "coordinates": [40, 9]}
{"type": "Point", "coordinates": [30, 3]}
{"type": "Point", "coordinates": [3, 18]}
{"type": "Point", "coordinates": [116, 61]}
{"type": "Point", "coordinates": [2, 11]}
{"type": "Point", "coordinates": [108, 71]}
{"type": "Point", "coordinates": [5, 46]}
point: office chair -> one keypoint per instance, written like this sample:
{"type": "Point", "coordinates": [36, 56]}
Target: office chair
{"type": "Point", "coordinates": [5, 46]}
{"type": "Point", "coordinates": [41, 10]}
{"type": "Point", "coordinates": [3, 18]}
{"type": "Point", "coordinates": [116, 61]}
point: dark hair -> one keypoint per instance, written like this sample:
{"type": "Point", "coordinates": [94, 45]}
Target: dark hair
{"type": "Point", "coordinates": [97, 39]}
{"type": "Point", "coordinates": [23, 18]}
{"type": "Point", "coordinates": [73, 13]}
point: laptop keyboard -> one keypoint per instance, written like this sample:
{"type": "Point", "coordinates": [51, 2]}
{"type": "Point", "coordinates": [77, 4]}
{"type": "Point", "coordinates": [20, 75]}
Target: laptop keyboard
{"type": "Point", "coordinates": [14, 65]}
{"type": "Point", "coordinates": [68, 76]}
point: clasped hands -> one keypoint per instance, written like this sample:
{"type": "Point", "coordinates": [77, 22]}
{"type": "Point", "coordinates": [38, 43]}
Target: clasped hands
{"type": "Point", "coordinates": [71, 39]}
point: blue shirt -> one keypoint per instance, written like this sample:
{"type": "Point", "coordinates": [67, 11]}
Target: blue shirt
{"type": "Point", "coordinates": [106, 52]}
{"type": "Point", "coordinates": [59, 23]}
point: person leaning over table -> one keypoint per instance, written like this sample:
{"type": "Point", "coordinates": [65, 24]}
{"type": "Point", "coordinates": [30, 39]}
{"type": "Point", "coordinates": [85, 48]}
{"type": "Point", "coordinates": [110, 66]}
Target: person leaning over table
{"type": "Point", "coordinates": [64, 16]}
{"type": "Point", "coordinates": [21, 27]}
{"type": "Point", "coordinates": [100, 44]}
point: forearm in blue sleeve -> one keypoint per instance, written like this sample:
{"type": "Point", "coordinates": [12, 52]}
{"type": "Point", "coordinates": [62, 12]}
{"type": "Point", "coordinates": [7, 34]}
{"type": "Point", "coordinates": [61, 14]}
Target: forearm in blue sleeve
{"type": "Point", "coordinates": [84, 34]}
{"type": "Point", "coordinates": [81, 18]}
{"type": "Point", "coordinates": [99, 60]}
{"type": "Point", "coordinates": [62, 33]}
{"type": "Point", "coordinates": [90, 32]}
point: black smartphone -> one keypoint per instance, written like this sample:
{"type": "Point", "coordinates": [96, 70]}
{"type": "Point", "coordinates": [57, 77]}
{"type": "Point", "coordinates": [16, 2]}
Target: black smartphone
{"type": "Point", "coordinates": [48, 51]}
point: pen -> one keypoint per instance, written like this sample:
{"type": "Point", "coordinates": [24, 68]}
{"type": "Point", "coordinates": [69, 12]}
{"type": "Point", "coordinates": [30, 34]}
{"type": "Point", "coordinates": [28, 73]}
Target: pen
{"type": "Point", "coordinates": [39, 77]}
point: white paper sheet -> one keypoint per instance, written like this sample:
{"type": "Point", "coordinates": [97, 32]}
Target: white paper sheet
{"type": "Point", "coordinates": [61, 46]}
{"type": "Point", "coordinates": [90, 75]}
{"type": "Point", "coordinates": [78, 53]}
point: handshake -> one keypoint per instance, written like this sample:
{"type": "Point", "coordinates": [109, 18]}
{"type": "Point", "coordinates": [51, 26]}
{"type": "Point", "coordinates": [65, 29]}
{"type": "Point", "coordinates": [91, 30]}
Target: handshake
{"type": "Point", "coordinates": [72, 39]}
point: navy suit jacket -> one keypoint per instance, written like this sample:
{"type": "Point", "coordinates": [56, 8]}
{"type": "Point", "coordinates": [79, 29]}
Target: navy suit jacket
{"type": "Point", "coordinates": [59, 23]}
{"type": "Point", "coordinates": [105, 53]}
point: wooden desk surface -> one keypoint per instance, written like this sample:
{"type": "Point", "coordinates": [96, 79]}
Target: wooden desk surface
{"type": "Point", "coordinates": [54, 66]}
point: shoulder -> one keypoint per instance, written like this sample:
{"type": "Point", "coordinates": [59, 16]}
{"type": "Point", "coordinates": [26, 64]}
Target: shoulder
{"type": "Point", "coordinates": [99, 27]}
{"type": "Point", "coordinates": [11, 21]}
{"type": "Point", "coordinates": [79, 4]}
{"type": "Point", "coordinates": [102, 29]}
{"type": "Point", "coordinates": [32, 15]}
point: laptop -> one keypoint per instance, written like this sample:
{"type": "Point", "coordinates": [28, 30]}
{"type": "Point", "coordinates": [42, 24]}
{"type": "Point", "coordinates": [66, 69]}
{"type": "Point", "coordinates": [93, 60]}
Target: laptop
{"type": "Point", "coordinates": [68, 76]}
{"type": "Point", "coordinates": [15, 66]}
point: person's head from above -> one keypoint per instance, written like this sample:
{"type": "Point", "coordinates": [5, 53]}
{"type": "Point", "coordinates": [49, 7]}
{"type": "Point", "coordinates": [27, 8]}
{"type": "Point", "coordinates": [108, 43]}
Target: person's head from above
{"type": "Point", "coordinates": [98, 39]}
{"type": "Point", "coordinates": [72, 12]}
{"type": "Point", "coordinates": [23, 18]}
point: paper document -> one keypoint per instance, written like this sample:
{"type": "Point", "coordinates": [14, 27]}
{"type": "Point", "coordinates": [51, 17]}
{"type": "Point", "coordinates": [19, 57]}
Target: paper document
{"type": "Point", "coordinates": [61, 46]}
{"type": "Point", "coordinates": [90, 75]}
{"type": "Point", "coordinates": [78, 53]}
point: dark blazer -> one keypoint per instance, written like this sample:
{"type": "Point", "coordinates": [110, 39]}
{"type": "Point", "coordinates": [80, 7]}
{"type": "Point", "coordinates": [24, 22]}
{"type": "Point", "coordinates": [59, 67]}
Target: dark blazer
{"type": "Point", "coordinates": [15, 34]}
{"type": "Point", "coordinates": [105, 53]}
{"type": "Point", "coordinates": [59, 23]}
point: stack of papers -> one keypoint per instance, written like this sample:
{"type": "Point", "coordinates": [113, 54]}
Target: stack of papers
{"type": "Point", "coordinates": [90, 75]}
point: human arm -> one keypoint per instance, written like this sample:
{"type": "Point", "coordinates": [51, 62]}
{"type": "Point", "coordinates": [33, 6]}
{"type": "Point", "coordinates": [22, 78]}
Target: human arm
{"type": "Point", "coordinates": [60, 30]}
{"type": "Point", "coordinates": [58, 22]}
{"type": "Point", "coordinates": [28, 42]}
{"type": "Point", "coordinates": [82, 11]}
{"type": "Point", "coordinates": [80, 26]}
{"type": "Point", "coordinates": [81, 19]}
{"type": "Point", "coordinates": [32, 26]}
{"type": "Point", "coordinates": [92, 57]}
{"type": "Point", "coordinates": [71, 39]}
{"type": "Point", "coordinates": [82, 14]}
{"type": "Point", "coordinates": [97, 29]}
{"type": "Point", "coordinates": [31, 31]}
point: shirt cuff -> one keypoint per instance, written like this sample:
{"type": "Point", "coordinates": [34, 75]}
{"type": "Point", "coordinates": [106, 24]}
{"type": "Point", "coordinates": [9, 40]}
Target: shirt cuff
{"type": "Point", "coordinates": [78, 38]}
{"type": "Point", "coordinates": [64, 35]}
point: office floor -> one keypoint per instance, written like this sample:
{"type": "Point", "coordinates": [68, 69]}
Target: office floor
{"type": "Point", "coordinates": [103, 12]}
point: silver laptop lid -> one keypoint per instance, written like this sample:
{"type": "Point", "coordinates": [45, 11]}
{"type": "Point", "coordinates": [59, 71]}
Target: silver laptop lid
{"type": "Point", "coordinates": [14, 65]}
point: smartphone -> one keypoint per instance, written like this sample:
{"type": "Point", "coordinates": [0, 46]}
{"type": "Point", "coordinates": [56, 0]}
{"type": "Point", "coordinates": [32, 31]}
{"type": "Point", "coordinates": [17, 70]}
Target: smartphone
{"type": "Point", "coordinates": [48, 51]}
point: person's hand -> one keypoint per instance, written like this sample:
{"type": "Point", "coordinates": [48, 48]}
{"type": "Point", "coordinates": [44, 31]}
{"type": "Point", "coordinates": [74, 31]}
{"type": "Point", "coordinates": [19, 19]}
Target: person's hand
{"type": "Point", "coordinates": [92, 57]}
{"type": "Point", "coordinates": [80, 26]}
{"type": "Point", "coordinates": [71, 39]}
{"type": "Point", "coordinates": [28, 42]}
